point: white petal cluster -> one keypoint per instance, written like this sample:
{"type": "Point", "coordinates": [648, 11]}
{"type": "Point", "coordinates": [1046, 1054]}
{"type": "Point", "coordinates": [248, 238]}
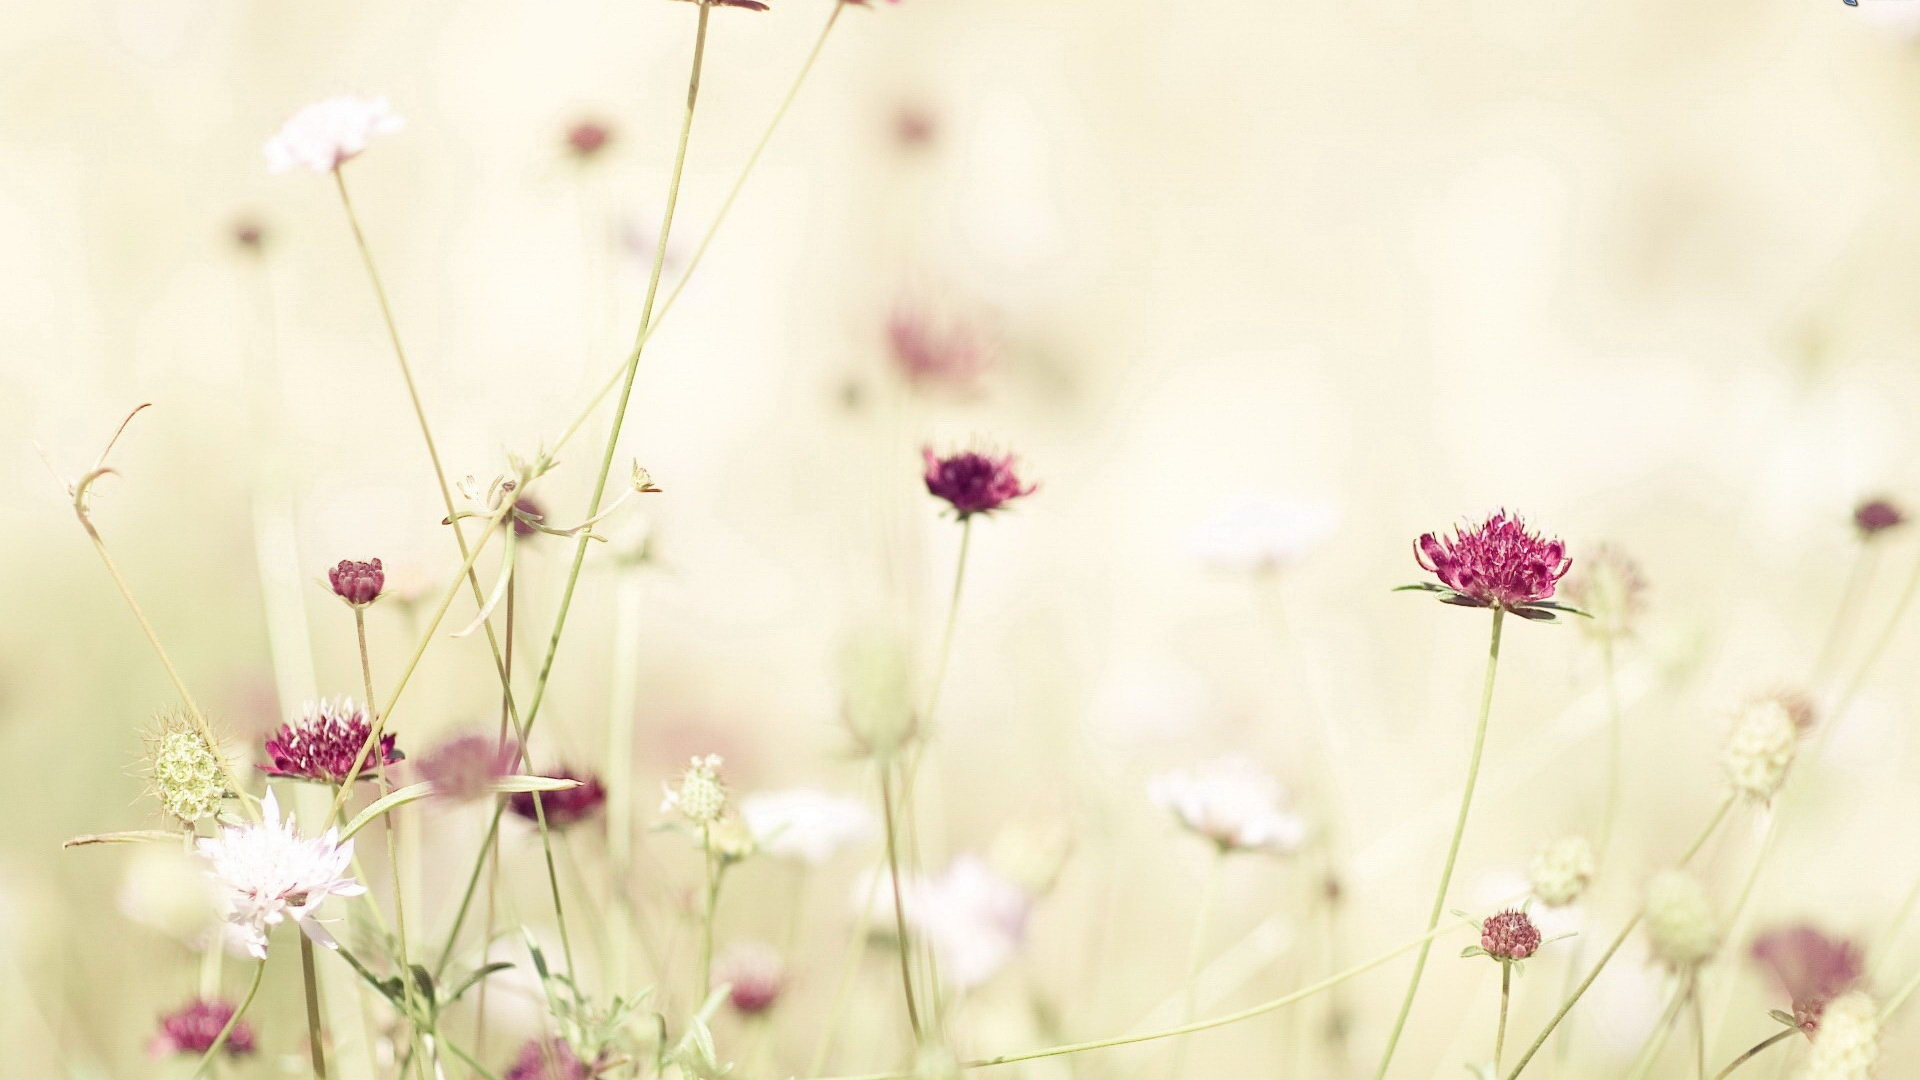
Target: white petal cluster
{"type": "Point", "coordinates": [327, 134]}
{"type": "Point", "coordinates": [806, 824]}
{"type": "Point", "coordinates": [271, 873]}
{"type": "Point", "coordinates": [974, 917]}
{"type": "Point", "coordinates": [1681, 922]}
{"type": "Point", "coordinates": [1847, 1044]}
{"type": "Point", "coordinates": [1261, 533]}
{"type": "Point", "coordinates": [1761, 748]}
{"type": "Point", "coordinates": [1562, 870]}
{"type": "Point", "coordinates": [1232, 802]}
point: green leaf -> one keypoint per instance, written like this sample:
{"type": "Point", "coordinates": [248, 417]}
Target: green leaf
{"type": "Point", "coordinates": [1534, 614]}
{"type": "Point", "coordinates": [130, 836]}
{"type": "Point", "coordinates": [389, 802]}
{"type": "Point", "coordinates": [475, 978]}
{"type": "Point", "coordinates": [1424, 586]}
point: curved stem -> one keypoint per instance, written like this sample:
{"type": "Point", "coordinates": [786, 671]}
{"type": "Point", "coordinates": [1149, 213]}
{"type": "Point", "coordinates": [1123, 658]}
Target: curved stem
{"type": "Point", "coordinates": [226, 1032]}
{"type": "Point", "coordinates": [707, 915]}
{"type": "Point", "coordinates": [1453, 846]}
{"type": "Point", "coordinates": [899, 908]}
{"type": "Point", "coordinates": [1754, 1051]}
{"type": "Point", "coordinates": [953, 620]}
{"type": "Point", "coordinates": [1712, 826]}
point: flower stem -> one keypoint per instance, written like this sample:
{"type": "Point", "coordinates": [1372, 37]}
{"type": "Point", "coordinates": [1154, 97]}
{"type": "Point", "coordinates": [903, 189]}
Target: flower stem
{"type": "Point", "coordinates": [1249, 1013]}
{"type": "Point", "coordinates": [953, 620]}
{"type": "Point", "coordinates": [1755, 1051]}
{"type": "Point", "coordinates": [1712, 826]}
{"type": "Point", "coordinates": [1656, 1043]}
{"type": "Point", "coordinates": [1857, 579]}
{"type": "Point", "coordinates": [899, 908]}
{"type": "Point", "coordinates": [1196, 955]}
{"type": "Point", "coordinates": [1453, 846]}
{"type": "Point", "coordinates": [1615, 753]}
{"type": "Point", "coordinates": [1500, 1031]}
{"type": "Point", "coordinates": [1699, 1028]}
{"type": "Point", "coordinates": [707, 913]}
{"type": "Point", "coordinates": [310, 980]}
{"type": "Point", "coordinates": [226, 1032]}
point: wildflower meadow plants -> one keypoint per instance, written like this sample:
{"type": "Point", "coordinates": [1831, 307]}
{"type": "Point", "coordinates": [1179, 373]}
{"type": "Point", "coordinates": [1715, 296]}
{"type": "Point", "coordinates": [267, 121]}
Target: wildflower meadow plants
{"type": "Point", "coordinates": [572, 926]}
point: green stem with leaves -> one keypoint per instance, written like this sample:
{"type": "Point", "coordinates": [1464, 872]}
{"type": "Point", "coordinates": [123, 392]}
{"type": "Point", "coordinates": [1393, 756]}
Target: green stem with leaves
{"type": "Point", "coordinates": [1453, 846]}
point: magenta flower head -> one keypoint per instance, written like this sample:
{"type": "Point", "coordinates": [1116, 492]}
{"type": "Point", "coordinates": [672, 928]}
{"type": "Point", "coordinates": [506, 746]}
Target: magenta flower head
{"type": "Point", "coordinates": [527, 516]}
{"type": "Point", "coordinates": [973, 482]}
{"type": "Point", "coordinates": [1875, 516]}
{"type": "Point", "coordinates": [754, 975]}
{"type": "Point", "coordinates": [192, 1029]}
{"type": "Point", "coordinates": [1509, 936]}
{"type": "Point", "coordinates": [1499, 563]}
{"type": "Point", "coordinates": [321, 746]}
{"type": "Point", "coordinates": [358, 583]}
{"type": "Point", "coordinates": [1811, 967]}
{"type": "Point", "coordinates": [562, 808]}
{"type": "Point", "coordinates": [550, 1059]}
{"type": "Point", "coordinates": [465, 768]}
{"type": "Point", "coordinates": [587, 138]}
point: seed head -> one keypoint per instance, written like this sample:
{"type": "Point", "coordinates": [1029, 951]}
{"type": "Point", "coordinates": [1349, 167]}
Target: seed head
{"type": "Point", "coordinates": [1847, 1046]}
{"type": "Point", "coordinates": [973, 482]}
{"type": "Point", "coordinates": [358, 583]}
{"type": "Point", "coordinates": [701, 797]}
{"type": "Point", "coordinates": [562, 808]}
{"type": "Point", "coordinates": [1875, 516]}
{"type": "Point", "coordinates": [1761, 748]}
{"type": "Point", "coordinates": [1561, 871]}
{"type": "Point", "coordinates": [755, 975]}
{"type": "Point", "coordinates": [192, 1029]}
{"type": "Point", "coordinates": [1681, 922]}
{"type": "Point", "coordinates": [1499, 563]}
{"type": "Point", "coordinates": [183, 771]}
{"type": "Point", "coordinates": [324, 742]}
{"type": "Point", "coordinates": [1509, 936]}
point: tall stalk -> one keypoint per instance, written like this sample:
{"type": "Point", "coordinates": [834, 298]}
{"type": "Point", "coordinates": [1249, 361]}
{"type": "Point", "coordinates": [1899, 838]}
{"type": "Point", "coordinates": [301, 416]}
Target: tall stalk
{"type": "Point", "coordinates": [1453, 846]}
{"type": "Point", "coordinates": [310, 982]}
{"type": "Point", "coordinates": [899, 906]}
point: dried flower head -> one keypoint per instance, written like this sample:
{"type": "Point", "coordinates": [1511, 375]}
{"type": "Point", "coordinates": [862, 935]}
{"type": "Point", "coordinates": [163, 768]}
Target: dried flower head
{"type": "Point", "coordinates": [1499, 563]}
{"type": "Point", "coordinates": [1232, 802]}
{"type": "Point", "coordinates": [806, 824]}
{"type": "Point", "coordinates": [562, 808]}
{"type": "Point", "coordinates": [701, 797]}
{"type": "Point", "coordinates": [973, 482]}
{"type": "Point", "coordinates": [586, 138]}
{"type": "Point", "coordinates": [1610, 588]}
{"type": "Point", "coordinates": [1561, 871]}
{"type": "Point", "coordinates": [358, 583]}
{"type": "Point", "coordinates": [271, 873]}
{"type": "Point", "coordinates": [1262, 534]}
{"type": "Point", "coordinates": [1847, 1046]}
{"type": "Point", "coordinates": [1509, 936]}
{"type": "Point", "coordinates": [929, 353]}
{"type": "Point", "coordinates": [465, 768]}
{"type": "Point", "coordinates": [1681, 922]}
{"type": "Point", "coordinates": [183, 771]}
{"type": "Point", "coordinates": [1811, 967]}
{"type": "Point", "coordinates": [550, 1059]}
{"type": "Point", "coordinates": [1875, 516]}
{"type": "Point", "coordinates": [328, 134]}
{"type": "Point", "coordinates": [193, 1028]}
{"type": "Point", "coordinates": [1761, 748]}
{"type": "Point", "coordinates": [754, 975]}
{"type": "Point", "coordinates": [324, 742]}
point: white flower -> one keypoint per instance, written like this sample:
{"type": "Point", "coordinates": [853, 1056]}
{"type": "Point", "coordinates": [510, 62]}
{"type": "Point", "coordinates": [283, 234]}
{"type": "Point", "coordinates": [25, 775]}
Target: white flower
{"type": "Point", "coordinates": [1847, 1045]}
{"type": "Point", "coordinates": [806, 824]}
{"type": "Point", "coordinates": [1233, 803]}
{"type": "Point", "coordinates": [1761, 749]}
{"type": "Point", "coordinates": [1562, 871]}
{"type": "Point", "coordinates": [327, 134]}
{"type": "Point", "coordinates": [701, 797]}
{"type": "Point", "coordinates": [974, 917]}
{"type": "Point", "coordinates": [271, 873]}
{"type": "Point", "coordinates": [1260, 533]}
{"type": "Point", "coordinates": [1681, 922]}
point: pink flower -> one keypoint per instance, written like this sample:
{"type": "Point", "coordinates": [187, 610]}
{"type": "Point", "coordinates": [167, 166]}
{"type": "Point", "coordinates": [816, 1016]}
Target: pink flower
{"type": "Point", "coordinates": [754, 975]}
{"type": "Point", "coordinates": [192, 1029]}
{"type": "Point", "coordinates": [550, 1059]}
{"type": "Point", "coordinates": [1811, 967]}
{"type": "Point", "coordinates": [323, 744]}
{"type": "Point", "coordinates": [930, 352]}
{"type": "Point", "coordinates": [358, 583]}
{"type": "Point", "coordinates": [973, 482]}
{"type": "Point", "coordinates": [587, 138]}
{"type": "Point", "coordinates": [1499, 563]}
{"type": "Point", "coordinates": [1875, 516]}
{"type": "Point", "coordinates": [328, 134]}
{"type": "Point", "coordinates": [465, 768]}
{"type": "Point", "coordinates": [1509, 936]}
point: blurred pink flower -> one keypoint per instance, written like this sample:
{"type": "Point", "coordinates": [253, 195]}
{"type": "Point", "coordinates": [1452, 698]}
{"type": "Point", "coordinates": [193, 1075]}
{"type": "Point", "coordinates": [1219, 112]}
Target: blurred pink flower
{"type": "Point", "coordinates": [1811, 967]}
{"type": "Point", "coordinates": [328, 134]}
{"type": "Point", "coordinates": [192, 1029]}
{"type": "Point", "coordinates": [755, 975]}
{"type": "Point", "coordinates": [1232, 802]}
{"type": "Point", "coordinates": [929, 351]}
{"type": "Point", "coordinates": [465, 768]}
{"type": "Point", "coordinates": [973, 482]}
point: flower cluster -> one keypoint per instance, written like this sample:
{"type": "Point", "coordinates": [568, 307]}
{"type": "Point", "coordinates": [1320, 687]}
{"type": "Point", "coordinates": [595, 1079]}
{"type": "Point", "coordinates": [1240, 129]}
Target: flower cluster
{"type": "Point", "coordinates": [561, 808]}
{"type": "Point", "coordinates": [324, 742]}
{"type": "Point", "coordinates": [1811, 967]}
{"type": "Point", "coordinates": [1499, 563]}
{"type": "Point", "coordinates": [270, 873]}
{"type": "Point", "coordinates": [358, 583]}
{"type": "Point", "coordinates": [1681, 922]}
{"type": "Point", "coordinates": [1560, 873]}
{"type": "Point", "coordinates": [194, 1027]}
{"type": "Point", "coordinates": [1509, 936]}
{"type": "Point", "coordinates": [184, 773]}
{"type": "Point", "coordinates": [1233, 803]}
{"type": "Point", "coordinates": [701, 797]}
{"type": "Point", "coordinates": [973, 482]}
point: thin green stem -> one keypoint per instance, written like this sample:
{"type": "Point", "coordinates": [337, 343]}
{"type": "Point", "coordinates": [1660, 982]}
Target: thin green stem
{"type": "Point", "coordinates": [1500, 1030]}
{"type": "Point", "coordinates": [1453, 846]}
{"type": "Point", "coordinates": [707, 914]}
{"type": "Point", "coordinates": [1712, 826]}
{"type": "Point", "coordinates": [310, 981]}
{"type": "Point", "coordinates": [1610, 809]}
{"type": "Point", "coordinates": [953, 620]}
{"type": "Point", "coordinates": [226, 1030]}
{"type": "Point", "coordinates": [1196, 956]}
{"type": "Point", "coordinates": [899, 907]}
{"type": "Point", "coordinates": [1699, 1028]}
{"type": "Point", "coordinates": [848, 965]}
{"type": "Point", "coordinates": [1755, 1051]}
{"type": "Point", "coordinates": [1249, 1013]}
{"type": "Point", "coordinates": [1662, 1030]}
{"type": "Point", "coordinates": [490, 855]}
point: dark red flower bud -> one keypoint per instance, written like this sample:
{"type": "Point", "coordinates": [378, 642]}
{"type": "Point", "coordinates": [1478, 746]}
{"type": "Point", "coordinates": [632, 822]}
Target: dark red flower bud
{"type": "Point", "coordinates": [358, 583]}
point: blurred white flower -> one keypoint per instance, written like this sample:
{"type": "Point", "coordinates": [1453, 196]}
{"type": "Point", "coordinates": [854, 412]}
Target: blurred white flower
{"type": "Point", "coordinates": [272, 873]}
{"type": "Point", "coordinates": [167, 889]}
{"type": "Point", "coordinates": [327, 134]}
{"type": "Point", "coordinates": [1232, 802]}
{"type": "Point", "coordinates": [974, 916]}
{"type": "Point", "coordinates": [1262, 533]}
{"type": "Point", "coordinates": [701, 797]}
{"type": "Point", "coordinates": [806, 824]}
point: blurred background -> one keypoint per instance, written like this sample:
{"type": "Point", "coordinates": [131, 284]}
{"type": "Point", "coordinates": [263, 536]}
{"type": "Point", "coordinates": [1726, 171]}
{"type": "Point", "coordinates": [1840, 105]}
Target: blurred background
{"type": "Point", "coordinates": [1641, 271]}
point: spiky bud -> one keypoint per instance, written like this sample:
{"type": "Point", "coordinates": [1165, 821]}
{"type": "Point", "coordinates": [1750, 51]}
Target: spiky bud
{"type": "Point", "coordinates": [701, 797]}
{"type": "Point", "coordinates": [1561, 871]}
{"type": "Point", "coordinates": [1761, 748]}
{"type": "Point", "coordinates": [1847, 1046]}
{"type": "Point", "coordinates": [184, 773]}
{"type": "Point", "coordinates": [1681, 922]}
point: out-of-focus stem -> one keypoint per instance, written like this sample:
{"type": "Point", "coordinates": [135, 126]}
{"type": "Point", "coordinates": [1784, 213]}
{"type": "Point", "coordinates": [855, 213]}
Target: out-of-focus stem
{"type": "Point", "coordinates": [1500, 1030]}
{"type": "Point", "coordinates": [899, 907]}
{"type": "Point", "coordinates": [1196, 955]}
{"type": "Point", "coordinates": [220, 1041]}
{"type": "Point", "coordinates": [1755, 1051]}
{"type": "Point", "coordinates": [1453, 846]}
{"type": "Point", "coordinates": [310, 980]}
